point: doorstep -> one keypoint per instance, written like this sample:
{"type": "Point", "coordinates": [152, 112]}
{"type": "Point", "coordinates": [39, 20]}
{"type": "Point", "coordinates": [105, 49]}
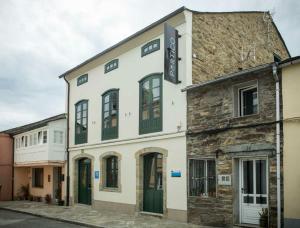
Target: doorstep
{"type": "Point", "coordinates": [151, 214]}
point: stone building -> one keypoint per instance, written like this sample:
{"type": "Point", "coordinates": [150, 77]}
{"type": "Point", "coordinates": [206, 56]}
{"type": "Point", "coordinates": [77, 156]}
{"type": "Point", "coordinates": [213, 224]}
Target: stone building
{"type": "Point", "coordinates": [231, 142]}
{"type": "Point", "coordinates": [121, 105]}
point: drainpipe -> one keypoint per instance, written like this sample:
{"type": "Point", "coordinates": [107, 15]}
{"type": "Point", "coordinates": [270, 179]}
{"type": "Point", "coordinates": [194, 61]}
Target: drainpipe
{"type": "Point", "coordinates": [13, 168]}
{"type": "Point", "coordinates": [275, 75]}
{"type": "Point", "coordinates": [67, 150]}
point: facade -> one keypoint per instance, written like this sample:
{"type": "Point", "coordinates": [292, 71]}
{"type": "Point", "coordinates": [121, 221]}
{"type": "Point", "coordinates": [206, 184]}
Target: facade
{"type": "Point", "coordinates": [6, 167]}
{"type": "Point", "coordinates": [291, 147]}
{"type": "Point", "coordinates": [39, 158]}
{"type": "Point", "coordinates": [128, 120]}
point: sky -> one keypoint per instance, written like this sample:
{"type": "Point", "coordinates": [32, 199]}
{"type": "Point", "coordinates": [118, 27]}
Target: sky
{"type": "Point", "coordinates": [41, 39]}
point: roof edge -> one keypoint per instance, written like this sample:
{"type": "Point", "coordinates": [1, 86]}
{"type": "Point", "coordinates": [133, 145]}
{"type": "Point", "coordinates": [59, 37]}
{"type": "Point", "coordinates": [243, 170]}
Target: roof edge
{"type": "Point", "coordinates": [34, 125]}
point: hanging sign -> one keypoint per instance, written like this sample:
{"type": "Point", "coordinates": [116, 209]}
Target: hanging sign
{"type": "Point", "coordinates": [171, 54]}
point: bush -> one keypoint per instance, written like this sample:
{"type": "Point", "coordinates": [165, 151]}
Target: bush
{"type": "Point", "coordinates": [48, 198]}
{"type": "Point", "coordinates": [23, 192]}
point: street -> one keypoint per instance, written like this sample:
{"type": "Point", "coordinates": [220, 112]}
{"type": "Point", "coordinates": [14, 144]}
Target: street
{"type": "Point", "coordinates": [11, 219]}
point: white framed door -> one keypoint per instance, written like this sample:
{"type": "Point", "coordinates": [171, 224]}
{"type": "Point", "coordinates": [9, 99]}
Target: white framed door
{"type": "Point", "coordinates": [253, 189]}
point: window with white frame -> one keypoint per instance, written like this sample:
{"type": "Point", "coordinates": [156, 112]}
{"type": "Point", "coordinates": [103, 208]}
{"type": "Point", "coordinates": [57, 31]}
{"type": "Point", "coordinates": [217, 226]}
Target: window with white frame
{"type": "Point", "coordinates": [58, 137]}
{"type": "Point", "coordinates": [34, 138]}
{"type": "Point", "coordinates": [44, 137]}
{"type": "Point", "coordinates": [26, 141]}
{"type": "Point", "coordinates": [246, 99]}
{"type": "Point", "coordinates": [202, 177]}
{"type": "Point", "coordinates": [40, 137]}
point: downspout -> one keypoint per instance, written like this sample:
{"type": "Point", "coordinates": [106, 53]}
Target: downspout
{"type": "Point", "coordinates": [13, 168]}
{"type": "Point", "coordinates": [275, 75]}
{"type": "Point", "coordinates": [67, 149]}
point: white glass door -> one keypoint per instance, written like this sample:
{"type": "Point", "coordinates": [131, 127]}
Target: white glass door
{"type": "Point", "coordinates": [254, 189]}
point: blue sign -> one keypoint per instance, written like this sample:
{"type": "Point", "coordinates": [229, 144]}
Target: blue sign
{"type": "Point", "coordinates": [175, 173]}
{"type": "Point", "coordinates": [97, 173]}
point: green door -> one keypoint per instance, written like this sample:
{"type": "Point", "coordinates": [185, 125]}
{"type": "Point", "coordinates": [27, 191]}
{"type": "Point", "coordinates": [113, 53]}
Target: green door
{"type": "Point", "coordinates": [84, 181]}
{"type": "Point", "coordinates": [153, 183]}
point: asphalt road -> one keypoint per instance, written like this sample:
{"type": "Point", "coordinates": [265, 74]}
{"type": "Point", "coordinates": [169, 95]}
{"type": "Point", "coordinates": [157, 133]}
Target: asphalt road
{"type": "Point", "coordinates": [9, 219]}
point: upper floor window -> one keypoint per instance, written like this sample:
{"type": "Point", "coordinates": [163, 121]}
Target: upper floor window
{"type": "Point", "coordinates": [112, 172]}
{"type": "Point", "coordinates": [40, 137]}
{"type": "Point", "coordinates": [26, 141]}
{"type": "Point", "coordinates": [202, 177]}
{"type": "Point", "coordinates": [82, 79]}
{"type": "Point", "coordinates": [151, 104]}
{"type": "Point", "coordinates": [150, 47]}
{"type": "Point", "coordinates": [81, 125]}
{"type": "Point", "coordinates": [246, 99]}
{"type": "Point", "coordinates": [110, 114]}
{"type": "Point", "coordinates": [44, 137]}
{"type": "Point", "coordinates": [114, 64]}
{"type": "Point", "coordinates": [58, 137]}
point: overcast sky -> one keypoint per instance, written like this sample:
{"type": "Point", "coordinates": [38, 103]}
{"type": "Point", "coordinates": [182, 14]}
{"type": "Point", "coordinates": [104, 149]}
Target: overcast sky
{"type": "Point", "coordinates": [41, 39]}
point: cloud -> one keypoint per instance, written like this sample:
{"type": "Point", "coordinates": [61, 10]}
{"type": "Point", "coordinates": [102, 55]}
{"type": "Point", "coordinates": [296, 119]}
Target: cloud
{"type": "Point", "coordinates": [41, 39]}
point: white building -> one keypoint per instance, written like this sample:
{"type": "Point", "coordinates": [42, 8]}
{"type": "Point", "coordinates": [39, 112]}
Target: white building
{"type": "Point", "coordinates": [39, 157]}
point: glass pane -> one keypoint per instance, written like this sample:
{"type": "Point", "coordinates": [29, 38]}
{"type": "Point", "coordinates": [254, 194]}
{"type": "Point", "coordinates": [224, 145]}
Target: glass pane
{"type": "Point", "coordinates": [145, 113]}
{"type": "Point", "coordinates": [84, 121]}
{"type": "Point", "coordinates": [249, 101]}
{"type": "Point", "coordinates": [114, 121]}
{"type": "Point", "coordinates": [78, 115]}
{"type": "Point", "coordinates": [106, 107]}
{"type": "Point", "coordinates": [151, 183]}
{"type": "Point", "coordinates": [159, 171]}
{"type": "Point", "coordinates": [248, 199]}
{"type": "Point", "coordinates": [146, 85]}
{"type": "Point", "coordinates": [78, 107]}
{"type": "Point", "coordinates": [197, 177]}
{"type": "Point", "coordinates": [248, 177]}
{"type": "Point", "coordinates": [261, 200]}
{"type": "Point", "coordinates": [106, 114]}
{"type": "Point", "coordinates": [155, 82]}
{"type": "Point", "coordinates": [261, 177]}
{"type": "Point", "coordinates": [106, 123]}
{"type": "Point", "coordinates": [156, 110]}
{"type": "Point", "coordinates": [156, 92]}
{"type": "Point", "coordinates": [84, 106]}
{"type": "Point", "coordinates": [211, 178]}
{"type": "Point", "coordinates": [84, 113]}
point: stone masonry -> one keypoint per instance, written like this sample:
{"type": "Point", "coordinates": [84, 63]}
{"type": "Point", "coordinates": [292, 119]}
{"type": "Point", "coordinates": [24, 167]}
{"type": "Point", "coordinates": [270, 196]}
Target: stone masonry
{"type": "Point", "coordinates": [214, 131]}
{"type": "Point", "coordinates": [227, 42]}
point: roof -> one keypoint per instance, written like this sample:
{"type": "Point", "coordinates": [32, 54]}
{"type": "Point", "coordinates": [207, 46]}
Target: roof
{"type": "Point", "coordinates": [230, 76]}
{"type": "Point", "coordinates": [289, 61]}
{"type": "Point", "coordinates": [181, 9]}
{"type": "Point", "coordinates": [31, 126]}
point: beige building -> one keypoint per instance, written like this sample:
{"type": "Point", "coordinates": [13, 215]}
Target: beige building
{"type": "Point", "coordinates": [291, 148]}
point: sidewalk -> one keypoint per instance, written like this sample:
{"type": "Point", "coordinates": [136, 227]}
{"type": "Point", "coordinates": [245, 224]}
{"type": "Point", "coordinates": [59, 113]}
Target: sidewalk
{"type": "Point", "coordinates": [86, 216]}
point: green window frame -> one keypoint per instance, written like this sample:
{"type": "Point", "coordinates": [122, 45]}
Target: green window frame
{"type": "Point", "coordinates": [150, 114]}
{"type": "Point", "coordinates": [82, 79]}
{"type": "Point", "coordinates": [112, 65]}
{"type": "Point", "coordinates": [110, 114]}
{"type": "Point", "coordinates": [150, 47]}
{"type": "Point", "coordinates": [112, 172]}
{"type": "Point", "coordinates": [81, 121]}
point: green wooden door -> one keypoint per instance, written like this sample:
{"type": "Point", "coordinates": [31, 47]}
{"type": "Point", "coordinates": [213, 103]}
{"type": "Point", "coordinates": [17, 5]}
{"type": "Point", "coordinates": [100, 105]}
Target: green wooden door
{"type": "Point", "coordinates": [84, 181]}
{"type": "Point", "coordinates": [153, 183]}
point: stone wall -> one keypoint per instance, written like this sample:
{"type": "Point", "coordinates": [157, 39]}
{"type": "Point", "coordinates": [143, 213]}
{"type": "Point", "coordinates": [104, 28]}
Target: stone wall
{"type": "Point", "coordinates": [214, 131]}
{"type": "Point", "coordinates": [220, 40]}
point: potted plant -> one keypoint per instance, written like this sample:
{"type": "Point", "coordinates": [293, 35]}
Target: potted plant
{"type": "Point", "coordinates": [48, 198]}
{"type": "Point", "coordinates": [57, 195]}
{"type": "Point", "coordinates": [264, 218]}
{"type": "Point", "coordinates": [24, 192]}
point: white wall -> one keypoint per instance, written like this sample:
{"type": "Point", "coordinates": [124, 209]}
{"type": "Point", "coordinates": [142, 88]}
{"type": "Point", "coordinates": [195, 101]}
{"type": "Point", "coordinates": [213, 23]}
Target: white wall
{"type": "Point", "coordinates": [132, 68]}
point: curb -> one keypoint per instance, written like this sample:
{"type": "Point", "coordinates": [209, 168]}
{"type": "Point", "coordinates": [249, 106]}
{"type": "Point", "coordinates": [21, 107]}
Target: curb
{"type": "Point", "coordinates": [52, 218]}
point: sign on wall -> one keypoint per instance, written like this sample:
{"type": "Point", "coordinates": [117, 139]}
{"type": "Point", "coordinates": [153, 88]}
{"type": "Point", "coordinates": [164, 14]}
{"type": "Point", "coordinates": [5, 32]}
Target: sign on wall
{"type": "Point", "coordinates": [175, 173]}
{"type": "Point", "coordinates": [97, 174]}
{"type": "Point", "coordinates": [171, 54]}
{"type": "Point", "coordinates": [224, 179]}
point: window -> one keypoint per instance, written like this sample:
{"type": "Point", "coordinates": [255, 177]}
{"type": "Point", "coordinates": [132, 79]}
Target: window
{"type": "Point", "coordinates": [44, 137]}
{"type": "Point", "coordinates": [37, 177]}
{"type": "Point", "coordinates": [81, 125]}
{"type": "Point", "coordinates": [110, 114]}
{"type": "Point", "coordinates": [26, 141]}
{"type": "Point", "coordinates": [58, 137]}
{"type": "Point", "coordinates": [112, 172]}
{"type": "Point", "coordinates": [34, 138]}
{"type": "Point", "coordinates": [82, 79]}
{"type": "Point", "coordinates": [39, 137]}
{"type": "Point", "coordinates": [246, 99]}
{"type": "Point", "coordinates": [30, 140]}
{"type": "Point", "coordinates": [150, 47]}
{"type": "Point", "coordinates": [151, 104]}
{"type": "Point", "coordinates": [202, 177]}
{"type": "Point", "coordinates": [112, 65]}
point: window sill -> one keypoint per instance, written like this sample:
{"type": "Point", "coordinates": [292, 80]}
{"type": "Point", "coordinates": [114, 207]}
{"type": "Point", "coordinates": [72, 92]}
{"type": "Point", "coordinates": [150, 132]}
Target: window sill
{"type": "Point", "coordinates": [247, 116]}
{"type": "Point", "coordinates": [37, 187]}
{"type": "Point", "coordinates": [107, 189]}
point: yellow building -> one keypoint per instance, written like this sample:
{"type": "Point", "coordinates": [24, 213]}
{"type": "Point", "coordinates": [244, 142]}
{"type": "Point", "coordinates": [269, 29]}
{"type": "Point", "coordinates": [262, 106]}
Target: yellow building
{"type": "Point", "coordinates": [291, 139]}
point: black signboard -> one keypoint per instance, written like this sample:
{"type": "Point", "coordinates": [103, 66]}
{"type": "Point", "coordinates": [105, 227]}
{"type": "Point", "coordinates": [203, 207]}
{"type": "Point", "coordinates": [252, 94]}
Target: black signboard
{"type": "Point", "coordinates": [171, 54]}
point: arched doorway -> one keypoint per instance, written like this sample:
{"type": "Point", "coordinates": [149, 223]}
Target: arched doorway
{"type": "Point", "coordinates": [84, 181]}
{"type": "Point", "coordinates": [153, 183]}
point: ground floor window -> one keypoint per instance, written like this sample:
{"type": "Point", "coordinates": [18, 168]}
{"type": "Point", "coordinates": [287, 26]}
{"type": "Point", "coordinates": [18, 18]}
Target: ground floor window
{"type": "Point", "coordinates": [37, 177]}
{"type": "Point", "coordinates": [112, 172]}
{"type": "Point", "coordinates": [202, 177]}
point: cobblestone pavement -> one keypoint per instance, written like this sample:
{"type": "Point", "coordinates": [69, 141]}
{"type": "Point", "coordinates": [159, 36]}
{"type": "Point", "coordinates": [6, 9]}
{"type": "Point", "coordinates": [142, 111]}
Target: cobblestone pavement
{"type": "Point", "coordinates": [87, 216]}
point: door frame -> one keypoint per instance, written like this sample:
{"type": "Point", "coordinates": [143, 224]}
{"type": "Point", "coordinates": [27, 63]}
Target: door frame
{"type": "Point", "coordinates": [240, 180]}
{"type": "Point", "coordinates": [74, 168]}
{"type": "Point", "coordinates": [139, 156]}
